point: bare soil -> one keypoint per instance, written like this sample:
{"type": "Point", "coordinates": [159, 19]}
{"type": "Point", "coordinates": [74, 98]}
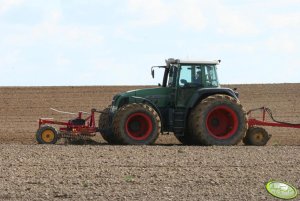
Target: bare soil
{"type": "Point", "coordinates": [102, 172]}
{"type": "Point", "coordinates": [21, 107]}
{"type": "Point", "coordinates": [165, 171]}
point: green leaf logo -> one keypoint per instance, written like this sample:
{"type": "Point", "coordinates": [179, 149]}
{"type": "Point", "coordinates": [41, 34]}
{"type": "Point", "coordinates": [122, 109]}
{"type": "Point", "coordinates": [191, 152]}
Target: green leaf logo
{"type": "Point", "coordinates": [281, 190]}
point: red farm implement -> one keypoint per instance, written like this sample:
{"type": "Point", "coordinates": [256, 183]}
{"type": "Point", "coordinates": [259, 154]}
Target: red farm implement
{"type": "Point", "coordinates": [76, 128]}
{"type": "Point", "coordinates": [259, 136]}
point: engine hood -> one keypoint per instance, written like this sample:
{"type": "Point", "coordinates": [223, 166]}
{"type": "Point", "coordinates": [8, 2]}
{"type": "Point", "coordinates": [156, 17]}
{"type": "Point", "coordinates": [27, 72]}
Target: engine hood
{"type": "Point", "coordinates": [159, 96]}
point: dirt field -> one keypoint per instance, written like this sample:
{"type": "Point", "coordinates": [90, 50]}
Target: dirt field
{"type": "Point", "coordinates": [20, 108]}
{"type": "Point", "coordinates": [166, 171]}
{"type": "Point", "coordinates": [101, 172]}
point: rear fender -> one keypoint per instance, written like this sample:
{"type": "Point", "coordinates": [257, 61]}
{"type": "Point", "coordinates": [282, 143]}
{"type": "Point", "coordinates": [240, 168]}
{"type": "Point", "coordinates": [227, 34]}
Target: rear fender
{"type": "Point", "coordinates": [203, 93]}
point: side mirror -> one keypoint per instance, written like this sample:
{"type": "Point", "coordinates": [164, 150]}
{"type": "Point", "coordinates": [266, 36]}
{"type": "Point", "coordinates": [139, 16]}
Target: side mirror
{"type": "Point", "coordinates": [152, 72]}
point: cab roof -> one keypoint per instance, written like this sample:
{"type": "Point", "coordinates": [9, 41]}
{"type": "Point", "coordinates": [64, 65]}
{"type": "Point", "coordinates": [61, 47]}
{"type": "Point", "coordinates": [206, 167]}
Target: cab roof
{"type": "Point", "coordinates": [178, 61]}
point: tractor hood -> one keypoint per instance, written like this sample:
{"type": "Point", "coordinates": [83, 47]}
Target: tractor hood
{"type": "Point", "coordinates": [137, 92]}
{"type": "Point", "coordinates": [157, 95]}
{"type": "Point", "coordinates": [145, 92]}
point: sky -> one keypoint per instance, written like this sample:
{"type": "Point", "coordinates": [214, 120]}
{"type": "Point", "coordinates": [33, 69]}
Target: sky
{"type": "Point", "coordinates": [115, 42]}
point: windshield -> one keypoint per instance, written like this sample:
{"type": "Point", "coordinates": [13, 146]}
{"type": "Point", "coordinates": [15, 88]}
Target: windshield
{"type": "Point", "coordinates": [198, 75]}
{"type": "Point", "coordinates": [211, 76]}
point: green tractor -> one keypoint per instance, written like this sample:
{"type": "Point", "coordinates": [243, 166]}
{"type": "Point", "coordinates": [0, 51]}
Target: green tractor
{"type": "Point", "coordinates": [189, 102]}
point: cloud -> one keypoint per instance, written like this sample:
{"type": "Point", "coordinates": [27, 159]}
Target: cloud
{"type": "Point", "coordinates": [51, 29]}
{"type": "Point", "coordinates": [274, 4]}
{"type": "Point", "coordinates": [63, 61]}
{"type": "Point", "coordinates": [68, 34]}
{"type": "Point", "coordinates": [9, 59]}
{"type": "Point", "coordinates": [103, 71]}
{"type": "Point", "coordinates": [282, 43]}
{"type": "Point", "coordinates": [286, 20]}
{"type": "Point", "coordinates": [159, 12]}
{"type": "Point", "coordinates": [6, 5]}
{"type": "Point", "coordinates": [233, 22]}
{"type": "Point", "coordinates": [190, 14]}
{"type": "Point", "coordinates": [148, 13]}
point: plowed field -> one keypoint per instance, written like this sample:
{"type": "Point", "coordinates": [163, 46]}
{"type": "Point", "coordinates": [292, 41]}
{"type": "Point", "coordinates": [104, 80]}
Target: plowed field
{"type": "Point", "coordinates": [21, 107]}
{"type": "Point", "coordinates": [165, 171]}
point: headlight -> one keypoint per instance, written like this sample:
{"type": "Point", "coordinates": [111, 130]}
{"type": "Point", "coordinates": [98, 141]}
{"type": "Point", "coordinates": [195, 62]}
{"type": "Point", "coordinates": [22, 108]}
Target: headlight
{"type": "Point", "coordinates": [114, 108]}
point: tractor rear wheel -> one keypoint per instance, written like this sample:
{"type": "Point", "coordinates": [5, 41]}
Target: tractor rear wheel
{"type": "Point", "coordinates": [218, 120]}
{"type": "Point", "coordinates": [256, 136]}
{"type": "Point", "coordinates": [47, 135]}
{"type": "Point", "coordinates": [136, 124]}
{"type": "Point", "coordinates": [103, 125]}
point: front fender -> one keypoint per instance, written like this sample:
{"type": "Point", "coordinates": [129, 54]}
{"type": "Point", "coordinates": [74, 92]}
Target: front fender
{"type": "Point", "coordinates": [147, 101]}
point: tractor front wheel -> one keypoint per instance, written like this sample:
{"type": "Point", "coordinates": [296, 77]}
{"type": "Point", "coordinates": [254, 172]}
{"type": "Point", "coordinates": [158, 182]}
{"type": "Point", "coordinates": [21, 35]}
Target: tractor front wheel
{"type": "Point", "coordinates": [218, 120]}
{"type": "Point", "coordinates": [136, 124]}
{"type": "Point", "coordinates": [47, 135]}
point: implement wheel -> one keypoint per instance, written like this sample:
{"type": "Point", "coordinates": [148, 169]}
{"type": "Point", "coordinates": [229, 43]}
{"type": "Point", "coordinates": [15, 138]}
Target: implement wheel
{"type": "Point", "coordinates": [136, 124]}
{"type": "Point", "coordinates": [47, 135]}
{"type": "Point", "coordinates": [256, 136]}
{"type": "Point", "coordinates": [104, 123]}
{"type": "Point", "coordinates": [218, 120]}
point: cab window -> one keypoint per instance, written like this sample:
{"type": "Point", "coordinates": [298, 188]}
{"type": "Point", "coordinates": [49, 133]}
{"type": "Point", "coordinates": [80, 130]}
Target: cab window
{"type": "Point", "coordinates": [211, 79]}
{"type": "Point", "coordinates": [185, 75]}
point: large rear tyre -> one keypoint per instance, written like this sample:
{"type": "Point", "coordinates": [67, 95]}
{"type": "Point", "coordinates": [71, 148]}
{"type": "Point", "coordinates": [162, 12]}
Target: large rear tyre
{"type": "Point", "coordinates": [218, 120]}
{"type": "Point", "coordinates": [106, 132]}
{"type": "Point", "coordinates": [136, 124]}
{"type": "Point", "coordinates": [256, 136]}
{"type": "Point", "coordinates": [47, 135]}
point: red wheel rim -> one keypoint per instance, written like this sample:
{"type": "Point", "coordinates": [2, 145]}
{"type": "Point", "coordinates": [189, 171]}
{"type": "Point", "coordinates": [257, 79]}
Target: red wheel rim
{"type": "Point", "coordinates": [222, 122]}
{"type": "Point", "coordinates": [139, 126]}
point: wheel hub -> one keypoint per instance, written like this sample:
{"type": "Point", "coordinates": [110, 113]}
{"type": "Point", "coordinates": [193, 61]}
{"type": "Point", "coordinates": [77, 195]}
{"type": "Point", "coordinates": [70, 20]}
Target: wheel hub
{"type": "Point", "coordinates": [215, 122]}
{"type": "Point", "coordinates": [139, 126]}
{"type": "Point", "coordinates": [135, 126]}
{"type": "Point", "coordinates": [48, 136]}
{"type": "Point", "coordinates": [258, 136]}
{"type": "Point", "coordinates": [222, 122]}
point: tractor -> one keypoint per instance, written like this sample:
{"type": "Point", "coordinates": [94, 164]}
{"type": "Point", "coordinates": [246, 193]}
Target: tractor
{"type": "Point", "coordinates": [189, 103]}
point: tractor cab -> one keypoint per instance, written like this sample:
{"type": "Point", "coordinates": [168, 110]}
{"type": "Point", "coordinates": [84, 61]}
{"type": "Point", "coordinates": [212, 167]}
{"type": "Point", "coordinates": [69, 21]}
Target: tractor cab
{"type": "Point", "coordinates": [189, 74]}
{"type": "Point", "coordinates": [183, 78]}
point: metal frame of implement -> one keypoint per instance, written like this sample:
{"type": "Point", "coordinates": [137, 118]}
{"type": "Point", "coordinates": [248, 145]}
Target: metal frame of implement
{"type": "Point", "coordinates": [88, 128]}
{"type": "Point", "coordinates": [255, 122]}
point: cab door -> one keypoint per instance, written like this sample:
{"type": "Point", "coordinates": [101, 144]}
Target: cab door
{"type": "Point", "coordinates": [187, 84]}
